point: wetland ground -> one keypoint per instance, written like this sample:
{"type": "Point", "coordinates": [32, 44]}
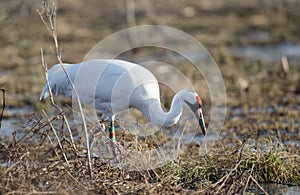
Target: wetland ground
{"type": "Point", "coordinates": [259, 142]}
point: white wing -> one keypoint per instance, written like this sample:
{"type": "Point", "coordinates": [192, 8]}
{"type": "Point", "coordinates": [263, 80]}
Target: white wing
{"type": "Point", "coordinates": [118, 84]}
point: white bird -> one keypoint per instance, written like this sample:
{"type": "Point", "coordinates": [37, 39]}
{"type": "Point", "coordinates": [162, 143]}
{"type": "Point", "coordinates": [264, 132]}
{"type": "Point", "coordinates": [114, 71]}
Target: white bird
{"type": "Point", "coordinates": [115, 85]}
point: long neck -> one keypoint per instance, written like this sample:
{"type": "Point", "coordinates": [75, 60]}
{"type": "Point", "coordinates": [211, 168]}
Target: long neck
{"type": "Point", "coordinates": [153, 111]}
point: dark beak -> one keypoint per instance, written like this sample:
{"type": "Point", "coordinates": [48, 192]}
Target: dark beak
{"type": "Point", "coordinates": [201, 120]}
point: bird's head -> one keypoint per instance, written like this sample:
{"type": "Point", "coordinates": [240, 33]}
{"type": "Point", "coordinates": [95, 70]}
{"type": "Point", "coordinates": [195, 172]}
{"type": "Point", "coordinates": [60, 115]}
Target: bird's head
{"type": "Point", "coordinates": [194, 101]}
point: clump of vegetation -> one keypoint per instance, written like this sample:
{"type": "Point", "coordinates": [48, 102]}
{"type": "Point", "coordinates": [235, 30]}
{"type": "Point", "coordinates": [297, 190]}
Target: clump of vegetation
{"type": "Point", "coordinates": [235, 169]}
{"type": "Point", "coordinates": [42, 161]}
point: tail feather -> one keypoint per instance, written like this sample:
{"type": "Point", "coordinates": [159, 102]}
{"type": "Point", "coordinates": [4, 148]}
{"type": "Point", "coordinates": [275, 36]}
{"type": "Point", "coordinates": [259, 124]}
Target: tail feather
{"type": "Point", "coordinates": [45, 93]}
{"type": "Point", "coordinates": [58, 81]}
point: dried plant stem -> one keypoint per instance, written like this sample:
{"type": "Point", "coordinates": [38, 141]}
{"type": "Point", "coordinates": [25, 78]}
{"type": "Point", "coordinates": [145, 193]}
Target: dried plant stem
{"type": "Point", "coordinates": [52, 100]}
{"type": "Point", "coordinates": [278, 133]}
{"type": "Point", "coordinates": [34, 128]}
{"type": "Point", "coordinates": [285, 65]}
{"type": "Point", "coordinates": [50, 8]}
{"type": "Point", "coordinates": [58, 140]}
{"type": "Point", "coordinates": [49, 138]}
{"type": "Point", "coordinates": [130, 20]}
{"type": "Point", "coordinates": [18, 162]}
{"type": "Point", "coordinates": [78, 182]}
{"type": "Point", "coordinates": [247, 183]}
{"type": "Point", "coordinates": [259, 186]}
{"type": "Point", "coordinates": [224, 179]}
{"type": "Point", "coordinates": [3, 106]}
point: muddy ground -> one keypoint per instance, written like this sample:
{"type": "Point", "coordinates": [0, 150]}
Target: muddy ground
{"type": "Point", "coordinates": [259, 139]}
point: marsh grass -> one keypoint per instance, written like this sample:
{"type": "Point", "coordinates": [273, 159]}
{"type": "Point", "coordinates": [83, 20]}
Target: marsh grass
{"type": "Point", "coordinates": [253, 149]}
{"type": "Point", "coordinates": [36, 162]}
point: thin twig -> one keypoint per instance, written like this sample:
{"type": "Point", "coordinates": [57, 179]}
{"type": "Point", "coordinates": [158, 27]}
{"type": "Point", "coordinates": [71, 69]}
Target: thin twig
{"type": "Point", "coordinates": [278, 132]}
{"type": "Point", "coordinates": [259, 186]}
{"type": "Point", "coordinates": [130, 21]}
{"type": "Point", "coordinates": [52, 100]}
{"type": "Point", "coordinates": [3, 106]}
{"type": "Point", "coordinates": [35, 128]}
{"type": "Point", "coordinates": [78, 182]}
{"type": "Point", "coordinates": [18, 162]}
{"type": "Point", "coordinates": [247, 183]}
{"type": "Point", "coordinates": [285, 65]}
{"type": "Point", "coordinates": [50, 7]}
{"type": "Point", "coordinates": [224, 179]}
{"type": "Point", "coordinates": [58, 140]}
{"type": "Point", "coordinates": [52, 144]}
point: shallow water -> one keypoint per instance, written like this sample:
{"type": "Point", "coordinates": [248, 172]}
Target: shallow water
{"type": "Point", "coordinates": [275, 189]}
{"type": "Point", "coordinates": [271, 52]}
{"type": "Point", "coordinates": [13, 119]}
{"type": "Point", "coordinates": [8, 126]}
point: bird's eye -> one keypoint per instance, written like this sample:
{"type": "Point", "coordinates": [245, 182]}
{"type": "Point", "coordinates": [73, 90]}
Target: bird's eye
{"type": "Point", "coordinates": [199, 101]}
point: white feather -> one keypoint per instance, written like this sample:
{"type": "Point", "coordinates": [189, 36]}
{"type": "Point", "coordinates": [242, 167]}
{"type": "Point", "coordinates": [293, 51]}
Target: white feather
{"type": "Point", "coordinates": [115, 85]}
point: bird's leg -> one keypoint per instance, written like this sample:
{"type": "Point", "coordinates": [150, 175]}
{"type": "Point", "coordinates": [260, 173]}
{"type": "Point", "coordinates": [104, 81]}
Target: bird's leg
{"type": "Point", "coordinates": [111, 129]}
{"type": "Point", "coordinates": [101, 129]}
{"type": "Point", "coordinates": [112, 136]}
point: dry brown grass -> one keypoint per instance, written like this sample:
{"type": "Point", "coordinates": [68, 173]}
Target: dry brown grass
{"type": "Point", "coordinates": [255, 147]}
{"type": "Point", "coordinates": [35, 163]}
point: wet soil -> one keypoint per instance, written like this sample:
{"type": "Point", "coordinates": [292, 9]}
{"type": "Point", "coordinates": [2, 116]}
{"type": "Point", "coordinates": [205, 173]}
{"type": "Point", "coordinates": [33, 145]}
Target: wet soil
{"type": "Point", "coordinates": [259, 138]}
